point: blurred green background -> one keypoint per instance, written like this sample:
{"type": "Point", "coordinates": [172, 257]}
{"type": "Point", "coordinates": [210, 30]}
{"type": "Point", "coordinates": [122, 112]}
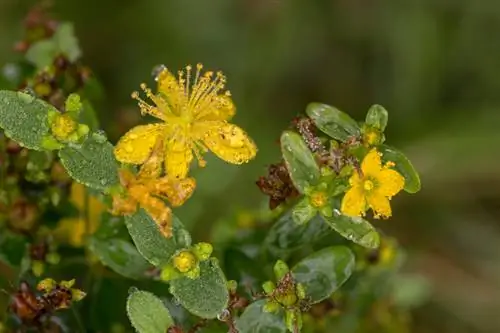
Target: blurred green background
{"type": "Point", "coordinates": [434, 64]}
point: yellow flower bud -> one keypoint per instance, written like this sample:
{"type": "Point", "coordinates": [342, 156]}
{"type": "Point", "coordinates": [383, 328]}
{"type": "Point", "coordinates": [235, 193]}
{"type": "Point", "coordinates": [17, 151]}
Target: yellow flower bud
{"type": "Point", "coordinates": [63, 126]}
{"type": "Point", "coordinates": [184, 261]}
{"type": "Point", "coordinates": [318, 199]}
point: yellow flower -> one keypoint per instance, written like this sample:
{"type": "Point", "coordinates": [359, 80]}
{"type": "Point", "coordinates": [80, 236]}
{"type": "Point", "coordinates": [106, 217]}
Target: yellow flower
{"type": "Point", "coordinates": [147, 189]}
{"type": "Point", "coordinates": [194, 114]}
{"type": "Point", "coordinates": [373, 189]}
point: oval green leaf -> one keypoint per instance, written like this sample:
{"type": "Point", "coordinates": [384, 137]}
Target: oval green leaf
{"type": "Point", "coordinates": [303, 212]}
{"type": "Point", "coordinates": [24, 118]}
{"type": "Point", "coordinates": [92, 163]}
{"type": "Point", "coordinates": [285, 235]}
{"type": "Point", "coordinates": [255, 320]}
{"type": "Point", "coordinates": [403, 166]}
{"type": "Point", "coordinates": [377, 117]}
{"type": "Point", "coordinates": [121, 256]}
{"type": "Point", "coordinates": [206, 296]}
{"type": "Point", "coordinates": [324, 271]}
{"type": "Point", "coordinates": [147, 313]}
{"type": "Point", "coordinates": [337, 124]}
{"type": "Point", "coordinates": [151, 243]}
{"type": "Point", "coordinates": [299, 160]}
{"type": "Point", "coordinates": [355, 229]}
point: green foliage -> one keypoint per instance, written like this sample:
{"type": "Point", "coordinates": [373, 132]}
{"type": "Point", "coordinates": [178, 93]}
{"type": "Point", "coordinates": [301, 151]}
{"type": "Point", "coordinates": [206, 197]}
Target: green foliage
{"type": "Point", "coordinates": [92, 163]}
{"type": "Point", "coordinates": [157, 249]}
{"type": "Point", "coordinates": [324, 271]}
{"type": "Point", "coordinates": [311, 227]}
{"type": "Point", "coordinates": [24, 118]}
{"type": "Point", "coordinates": [42, 53]}
{"type": "Point", "coordinates": [147, 313]}
{"type": "Point", "coordinates": [206, 296]}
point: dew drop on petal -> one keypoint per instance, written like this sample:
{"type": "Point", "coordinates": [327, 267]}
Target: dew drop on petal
{"type": "Point", "coordinates": [129, 148]}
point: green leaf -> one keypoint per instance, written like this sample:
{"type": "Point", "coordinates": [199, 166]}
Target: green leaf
{"type": "Point", "coordinates": [24, 118]}
{"type": "Point", "coordinates": [355, 229]}
{"type": "Point", "coordinates": [206, 296]}
{"type": "Point", "coordinates": [403, 166]}
{"type": "Point", "coordinates": [147, 313]}
{"type": "Point", "coordinates": [303, 212]}
{"type": "Point", "coordinates": [42, 53]}
{"type": "Point", "coordinates": [324, 271]}
{"type": "Point", "coordinates": [66, 41]}
{"type": "Point", "coordinates": [335, 123]}
{"type": "Point", "coordinates": [92, 164]}
{"type": "Point", "coordinates": [121, 256]}
{"type": "Point", "coordinates": [285, 235]}
{"type": "Point", "coordinates": [300, 162]}
{"type": "Point", "coordinates": [377, 117]}
{"type": "Point", "coordinates": [151, 243]}
{"type": "Point", "coordinates": [255, 320]}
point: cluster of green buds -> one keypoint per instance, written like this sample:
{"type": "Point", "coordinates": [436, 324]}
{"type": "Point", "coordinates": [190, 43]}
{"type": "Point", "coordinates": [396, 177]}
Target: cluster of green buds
{"type": "Point", "coordinates": [186, 262]}
{"type": "Point", "coordinates": [64, 126]}
{"type": "Point", "coordinates": [286, 295]}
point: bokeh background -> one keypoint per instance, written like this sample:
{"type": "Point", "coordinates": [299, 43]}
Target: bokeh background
{"type": "Point", "coordinates": [434, 64]}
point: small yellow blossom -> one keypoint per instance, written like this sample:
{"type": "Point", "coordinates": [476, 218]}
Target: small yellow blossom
{"type": "Point", "coordinates": [147, 189]}
{"type": "Point", "coordinates": [373, 188]}
{"type": "Point", "coordinates": [318, 199]}
{"type": "Point", "coordinates": [194, 114]}
{"type": "Point", "coordinates": [63, 126]}
{"type": "Point", "coordinates": [184, 261]}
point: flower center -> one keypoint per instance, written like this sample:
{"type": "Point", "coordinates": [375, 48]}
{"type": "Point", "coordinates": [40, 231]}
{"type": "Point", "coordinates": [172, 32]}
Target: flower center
{"type": "Point", "coordinates": [318, 199]}
{"type": "Point", "coordinates": [63, 126]}
{"type": "Point", "coordinates": [184, 261]}
{"type": "Point", "coordinates": [368, 185]}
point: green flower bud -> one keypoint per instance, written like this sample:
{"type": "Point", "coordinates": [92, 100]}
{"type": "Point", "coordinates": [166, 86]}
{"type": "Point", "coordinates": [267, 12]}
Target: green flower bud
{"type": "Point", "coordinates": [202, 251]}
{"type": "Point", "coordinates": [280, 269]}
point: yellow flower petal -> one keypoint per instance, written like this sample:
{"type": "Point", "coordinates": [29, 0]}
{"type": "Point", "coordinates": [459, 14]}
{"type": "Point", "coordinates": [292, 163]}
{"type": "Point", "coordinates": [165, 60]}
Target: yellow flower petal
{"type": "Point", "coordinates": [136, 145]}
{"type": "Point", "coordinates": [160, 213]}
{"type": "Point", "coordinates": [380, 205]}
{"type": "Point", "coordinates": [227, 141]}
{"type": "Point", "coordinates": [354, 202]}
{"type": "Point", "coordinates": [176, 191]}
{"type": "Point", "coordinates": [372, 163]}
{"type": "Point", "coordinates": [390, 182]}
{"type": "Point", "coordinates": [172, 92]}
{"type": "Point", "coordinates": [178, 157]}
{"type": "Point", "coordinates": [224, 110]}
{"type": "Point", "coordinates": [152, 167]}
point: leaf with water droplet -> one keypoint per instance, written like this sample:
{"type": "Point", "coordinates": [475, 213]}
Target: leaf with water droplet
{"type": "Point", "coordinates": [377, 117]}
{"type": "Point", "coordinates": [300, 161]}
{"type": "Point", "coordinates": [324, 271]}
{"type": "Point", "coordinates": [206, 296]}
{"type": "Point", "coordinates": [24, 118]}
{"type": "Point", "coordinates": [355, 229]}
{"type": "Point", "coordinates": [335, 123]}
{"type": "Point", "coordinates": [121, 256]}
{"type": "Point", "coordinates": [149, 240]}
{"type": "Point", "coordinates": [255, 320]}
{"type": "Point", "coordinates": [147, 313]}
{"type": "Point", "coordinates": [92, 164]}
{"type": "Point", "coordinates": [403, 166]}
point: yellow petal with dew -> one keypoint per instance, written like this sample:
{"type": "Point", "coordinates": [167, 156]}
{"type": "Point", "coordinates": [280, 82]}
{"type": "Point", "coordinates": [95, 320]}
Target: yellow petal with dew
{"type": "Point", "coordinates": [354, 202]}
{"type": "Point", "coordinates": [223, 109]}
{"type": "Point", "coordinates": [176, 191]}
{"type": "Point", "coordinates": [152, 167]}
{"type": "Point", "coordinates": [178, 157]}
{"type": "Point", "coordinates": [137, 144]}
{"type": "Point", "coordinates": [372, 163]}
{"type": "Point", "coordinates": [171, 91]}
{"type": "Point", "coordinates": [227, 141]}
{"type": "Point", "coordinates": [380, 205]}
{"type": "Point", "coordinates": [160, 213]}
{"type": "Point", "coordinates": [390, 182]}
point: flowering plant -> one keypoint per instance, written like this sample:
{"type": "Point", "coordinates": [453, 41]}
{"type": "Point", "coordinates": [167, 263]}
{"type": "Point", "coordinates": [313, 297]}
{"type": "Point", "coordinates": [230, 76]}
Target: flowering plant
{"type": "Point", "coordinates": [311, 257]}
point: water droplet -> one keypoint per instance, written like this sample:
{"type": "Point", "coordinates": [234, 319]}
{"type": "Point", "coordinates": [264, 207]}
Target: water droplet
{"type": "Point", "coordinates": [132, 290]}
{"type": "Point", "coordinates": [27, 95]}
{"type": "Point", "coordinates": [129, 148]}
{"type": "Point", "coordinates": [103, 181]}
{"type": "Point", "coordinates": [157, 70]}
{"type": "Point", "coordinates": [11, 72]}
{"type": "Point", "coordinates": [224, 315]}
{"type": "Point", "coordinates": [100, 136]}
